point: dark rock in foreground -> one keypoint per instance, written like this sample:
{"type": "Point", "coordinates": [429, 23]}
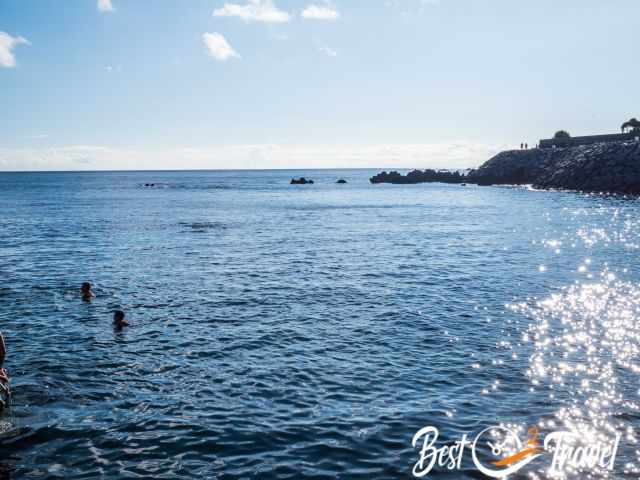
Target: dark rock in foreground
{"type": "Point", "coordinates": [301, 181]}
{"type": "Point", "coordinates": [611, 167]}
{"type": "Point", "coordinates": [419, 176]}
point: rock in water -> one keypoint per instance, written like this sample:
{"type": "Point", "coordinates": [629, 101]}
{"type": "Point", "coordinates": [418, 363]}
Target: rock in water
{"type": "Point", "coordinates": [5, 395]}
{"type": "Point", "coordinates": [301, 181]}
{"type": "Point", "coordinates": [419, 176]}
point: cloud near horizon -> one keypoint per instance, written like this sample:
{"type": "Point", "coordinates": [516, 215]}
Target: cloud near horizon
{"type": "Point", "coordinates": [105, 6]}
{"type": "Point", "coordinates": [218, 47]}
{"type": "Point", "coordinates": [264, 11]}
{"type": "Point", "coordinates": [315, 12]}
{"type": "Point", "coordinates": [329, 52]}
{"type": "Point", "coordinates": [7, 44]}
{"type": "Point", "coordinates": [454, 155]}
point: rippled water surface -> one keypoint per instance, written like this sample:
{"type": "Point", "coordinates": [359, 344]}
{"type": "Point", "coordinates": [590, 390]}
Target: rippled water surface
{"type": "Point", "coordinates": [307, 331]}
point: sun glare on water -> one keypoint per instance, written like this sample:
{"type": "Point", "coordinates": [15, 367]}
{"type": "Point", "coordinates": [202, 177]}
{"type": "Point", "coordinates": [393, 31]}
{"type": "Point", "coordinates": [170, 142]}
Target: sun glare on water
{"type": "Point", "coordinates": [586, 358]}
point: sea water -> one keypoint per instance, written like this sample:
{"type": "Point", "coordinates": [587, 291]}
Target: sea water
{"type": "Point", "coordinates": [299, 331]}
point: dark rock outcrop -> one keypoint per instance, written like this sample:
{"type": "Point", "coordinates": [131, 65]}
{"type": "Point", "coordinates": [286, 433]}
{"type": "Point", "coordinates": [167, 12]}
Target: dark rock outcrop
{"type": "Point", "coordinates": [419, 176]}
{"type": "Point", "coordinates": [513, 167]}
{"type": "Point", "coordinates": [301, 181]}
{"type": "Point", "coordinates": [341, 181]}
{"type": "Point", "coordinates": [608, 167]}
{"type": "Point", "coordinates": [612, 167]}
{"type": "Point", "coordinates": [5, 395]}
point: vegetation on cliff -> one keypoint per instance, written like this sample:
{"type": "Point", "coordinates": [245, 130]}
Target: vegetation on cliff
{"type": "Point", "coordinates": [561, 134]}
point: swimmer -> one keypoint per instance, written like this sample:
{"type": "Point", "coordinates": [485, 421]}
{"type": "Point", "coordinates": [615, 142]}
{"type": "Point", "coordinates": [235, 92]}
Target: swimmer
{"type": "Point", "coordinates": [87, 293]}
{"type": "Point", "coordinates": [118, 320]}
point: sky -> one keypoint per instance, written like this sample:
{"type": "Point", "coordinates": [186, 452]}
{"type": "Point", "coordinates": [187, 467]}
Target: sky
{"type": "Point", "coordinates": [208, 84]}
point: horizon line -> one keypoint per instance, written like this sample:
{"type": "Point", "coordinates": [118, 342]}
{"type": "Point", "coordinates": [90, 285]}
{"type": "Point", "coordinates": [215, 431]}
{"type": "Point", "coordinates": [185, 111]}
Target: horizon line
{"type": "Point", "coordinates": [229, 170]}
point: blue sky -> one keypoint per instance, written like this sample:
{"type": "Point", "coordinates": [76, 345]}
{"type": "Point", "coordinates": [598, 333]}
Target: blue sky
{"type": "Point", "coordinates": [99, 84]}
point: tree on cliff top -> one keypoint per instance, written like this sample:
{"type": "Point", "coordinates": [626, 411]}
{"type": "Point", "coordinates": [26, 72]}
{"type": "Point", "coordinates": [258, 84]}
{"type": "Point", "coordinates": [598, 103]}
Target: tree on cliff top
{"type": "Point", "coordinates": [632, 124]}
{"type": "Point", "coordinates": [561, 134]}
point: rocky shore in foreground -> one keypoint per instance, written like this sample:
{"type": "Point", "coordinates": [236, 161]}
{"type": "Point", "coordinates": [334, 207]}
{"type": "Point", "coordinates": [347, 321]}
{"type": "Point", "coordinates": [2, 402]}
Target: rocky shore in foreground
{"type": "Point", "coordinates": [612, 167]}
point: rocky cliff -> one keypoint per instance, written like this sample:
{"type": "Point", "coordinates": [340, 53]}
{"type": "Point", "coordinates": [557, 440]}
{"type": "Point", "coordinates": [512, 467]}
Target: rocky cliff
{"type": "Point", "coordinates": [603, 167]}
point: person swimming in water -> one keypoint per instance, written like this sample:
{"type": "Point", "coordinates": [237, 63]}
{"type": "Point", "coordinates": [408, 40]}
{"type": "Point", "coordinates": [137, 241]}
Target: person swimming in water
{"type": "Point", "coordinates": [118, 320]}
{"type": "Point", "coordinates": [87, 293]}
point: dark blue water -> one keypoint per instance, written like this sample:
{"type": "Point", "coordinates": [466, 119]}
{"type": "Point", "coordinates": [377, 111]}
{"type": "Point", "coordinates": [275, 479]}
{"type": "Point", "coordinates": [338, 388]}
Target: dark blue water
{"type": "Point", "coordinates": [303, 331]}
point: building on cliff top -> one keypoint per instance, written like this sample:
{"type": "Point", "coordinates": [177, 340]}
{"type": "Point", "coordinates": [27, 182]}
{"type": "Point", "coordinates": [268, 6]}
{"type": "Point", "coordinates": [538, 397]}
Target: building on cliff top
{"type": "Point", "coordinates": [630, 132]}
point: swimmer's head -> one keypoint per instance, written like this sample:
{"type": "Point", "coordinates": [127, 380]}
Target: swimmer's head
{"type": "Point", "coordinates": [118, 316]}
{"type": "Point", "coordinates": [86, 287]}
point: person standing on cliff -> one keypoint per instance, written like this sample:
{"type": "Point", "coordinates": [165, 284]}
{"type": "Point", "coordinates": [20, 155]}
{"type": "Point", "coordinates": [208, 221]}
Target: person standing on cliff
{"type": "Point", "coordinates": [521, 146]}
{"type": "Point", "coordinates": [526, 146]}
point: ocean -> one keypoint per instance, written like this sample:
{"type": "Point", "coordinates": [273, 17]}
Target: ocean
{"type": "Point", "coordinates": [307, 331]}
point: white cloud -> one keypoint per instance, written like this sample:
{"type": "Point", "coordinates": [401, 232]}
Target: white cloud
{"type": "Point", "coordinates": [105, 6]}
{"type": "Point", "coordinates": [255, 11]}
{"type": "Point", "coordinates": [218, 47]}
{"type": "Point", "coordinates": [7, 44]}
{"type": "Point", "coordinates": [328, 51]}
{"type": "Point", "coordinates": [382, 156]}
{"type": "Point", "coordinates": [316, 12]}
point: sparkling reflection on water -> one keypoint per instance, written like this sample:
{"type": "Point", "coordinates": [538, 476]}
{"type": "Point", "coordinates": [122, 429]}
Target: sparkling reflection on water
{"type": "Point", "coordinates": [307, 331]}
{"type": "Point", "coordinates": [585, 343]}
{"type": "Point", "coordinates": [586, 354]}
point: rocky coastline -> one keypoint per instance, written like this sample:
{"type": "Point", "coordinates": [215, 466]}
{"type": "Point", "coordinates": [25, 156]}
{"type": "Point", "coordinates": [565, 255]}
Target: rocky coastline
{"type": "Point", "coordinates": [419, 176]}
{"type": "Point", "coordinates": [611, 167]}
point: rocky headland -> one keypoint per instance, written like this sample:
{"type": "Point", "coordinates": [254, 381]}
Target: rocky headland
{"type": "Point", "coordinates": [419, 176]}
{"type": "Point", "coordinates": [612, 167]}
